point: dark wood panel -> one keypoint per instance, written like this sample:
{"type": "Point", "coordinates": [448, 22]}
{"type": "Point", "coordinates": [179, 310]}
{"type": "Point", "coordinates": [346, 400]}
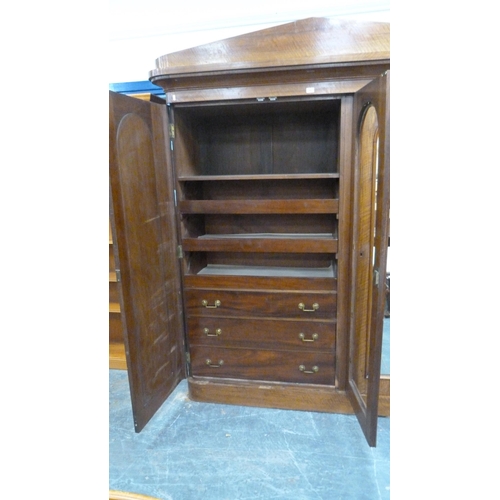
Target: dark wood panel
{"type": "Point", "coordinates": [259, 207]}
{"type": "Point", "coordinates": [115, 328]}
{"type": "Point", "coordinates": [114, 295]}
{"type": "Point", "coordinates": [144, 219]}
{"type": "Point", "coordinates": [266, 334]}
{"type": "Point", "coordinates": [260, 283]}
{"type": "Point", "coordinates": [283, 260]}
{"type": "Point", "coordinates": [282, 90]}
{"type": "Point", "coordinates": [370, 238]}
{"type": "Point", "coordinates": [284, 366]}
{"type": "Point", "coordinates": [346, 207]}
{"type": "Point", "coordinates": [233, 143]}
{"type": "Point", "coordinates": [265, 138]}
{"type": "Point", "coordinates": [306, 142]}
{"type": "Point", "coordinates": [261, 304]}
{"type": "Point", "coordinates": [295, 245]}
{"type": "Point", "coordinates": [275, 395]}
{"type": "Point", "coordinates": [268, 188]}
{"type": "Point", "coordinates": [306, 74]}
{"type": "Point", "coordinates": [297, 225]}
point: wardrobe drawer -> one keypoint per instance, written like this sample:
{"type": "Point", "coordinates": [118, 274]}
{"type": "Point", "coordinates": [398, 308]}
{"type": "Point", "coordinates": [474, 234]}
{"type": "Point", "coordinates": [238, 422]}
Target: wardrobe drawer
{"type": "Point", "coordinates": [293, 305]}
{"type": "Point", "coordinates": [264, 333]}
{"type": "Point", "coordinates": [272, 366]}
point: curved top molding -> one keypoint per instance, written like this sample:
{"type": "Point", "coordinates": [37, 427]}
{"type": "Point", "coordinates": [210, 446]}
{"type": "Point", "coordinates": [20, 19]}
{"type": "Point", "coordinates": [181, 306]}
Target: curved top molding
{"type": "Point", "coordinates": [309, 42]}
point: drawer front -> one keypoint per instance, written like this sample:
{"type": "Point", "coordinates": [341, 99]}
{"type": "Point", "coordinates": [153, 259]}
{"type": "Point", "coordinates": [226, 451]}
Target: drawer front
{"type": "Point", "coordinates": [264, 333]}
{"type": "Point", "coordinates": [253, 364]}
{"type": "Point", "coordinates": [234, 282]}
{"type": "Point", "coordinates": [292, 305]}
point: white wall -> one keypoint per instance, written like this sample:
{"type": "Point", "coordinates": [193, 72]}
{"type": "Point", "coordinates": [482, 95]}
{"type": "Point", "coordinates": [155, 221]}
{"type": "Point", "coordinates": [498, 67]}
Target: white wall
{"type": "Point", "coordinates": [143, 30]}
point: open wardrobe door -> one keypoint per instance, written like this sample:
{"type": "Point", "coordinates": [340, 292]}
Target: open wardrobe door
{"type": "Point", "coordinates": [142, 212]}
{"type": "Point", "coordinates": [369, 247]}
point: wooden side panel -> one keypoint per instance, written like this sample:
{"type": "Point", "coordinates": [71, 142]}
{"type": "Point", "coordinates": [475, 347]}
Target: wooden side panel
{"type": "Point", "coordinates": [143, 208]}
{"type": "Point", "coordinates": [344, 239]}
{"type": "Point", "coordinates": [369, 251]}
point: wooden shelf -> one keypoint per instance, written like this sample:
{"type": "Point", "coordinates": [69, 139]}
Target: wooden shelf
{"type": "Point", "coordinates": [267, 271]}
{"type": "Point", "coordinates": [117, 357]}
{"type": "Point", "coordinates": [114, 307]}
{"type": "Point", "coordinates": [283, 243]}
{"type": "Point", "coordinates": [256, 177]}
{"type": "Point", "coordinates": [305, 206]}
{"type": "Point", "coordinates": [112, 277]}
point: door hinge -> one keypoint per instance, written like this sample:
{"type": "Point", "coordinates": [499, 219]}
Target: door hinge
{"type": "Point", "coordinates": [188, 358]}
{"type": "Point", "coordinates": [171, 131]}
{"type": "Point", "coordinates": [180, 253]}
{"type": "Point", "coordinates": [376, 277]}
{"type": "Point", "coordinates": [118, 275]}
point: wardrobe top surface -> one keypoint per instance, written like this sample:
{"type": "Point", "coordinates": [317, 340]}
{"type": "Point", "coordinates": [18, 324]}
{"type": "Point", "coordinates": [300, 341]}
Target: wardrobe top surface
{"type": "Point", "coordinates": [308, 42]}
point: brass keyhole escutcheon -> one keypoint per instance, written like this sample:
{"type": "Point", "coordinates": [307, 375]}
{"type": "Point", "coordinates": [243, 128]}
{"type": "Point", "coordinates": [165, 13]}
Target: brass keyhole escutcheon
{"type": "Point", "coordinates": [314, 337]}
{"type": "Point", "coordinates": [204, 303]}
{"type": "Point", "coordinates": [302, 307]}
{"type": "Point", "coordinates": [315, 369]}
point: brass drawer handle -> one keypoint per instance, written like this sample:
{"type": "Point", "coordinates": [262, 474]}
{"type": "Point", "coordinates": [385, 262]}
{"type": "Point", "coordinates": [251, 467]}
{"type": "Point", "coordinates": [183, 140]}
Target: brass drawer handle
{"type": "Point", "coordinates": [206, 331]}
{"type": "Point", "coordinates": [302, 337]}
{"type": "Point", "coordinates": [315, 307]}
{"type": "Point", "coordinates": [204, 303]}
{"type": "Point", "coordinates": [216, 365]}
{"type": "Point", "coordinates": [315, 369]}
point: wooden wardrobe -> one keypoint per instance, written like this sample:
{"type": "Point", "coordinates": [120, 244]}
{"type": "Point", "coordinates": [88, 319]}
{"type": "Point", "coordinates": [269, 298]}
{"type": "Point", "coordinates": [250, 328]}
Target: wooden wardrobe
{"type": "Point", "coordinates": [250, 214]}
